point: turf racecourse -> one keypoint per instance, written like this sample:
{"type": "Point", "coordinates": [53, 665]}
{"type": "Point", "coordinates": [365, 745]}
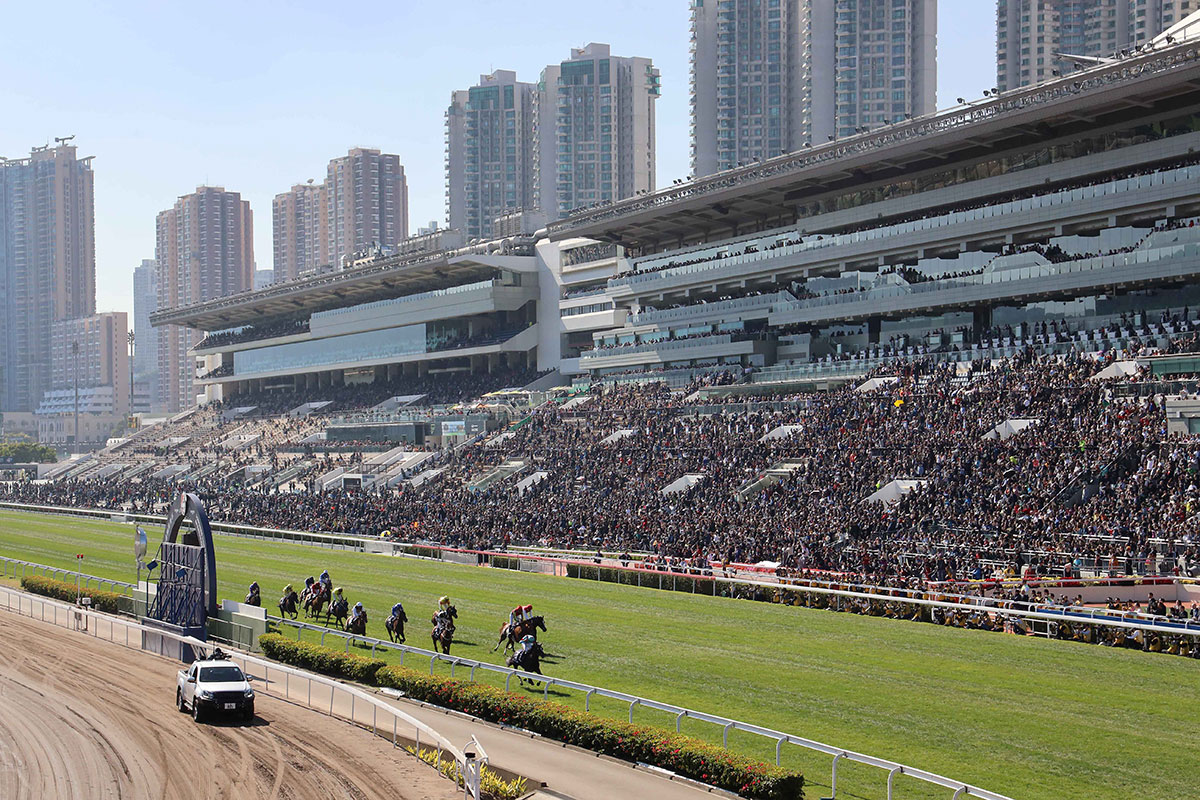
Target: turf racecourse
{"type": "Point", "coordinates": [1021, 716]}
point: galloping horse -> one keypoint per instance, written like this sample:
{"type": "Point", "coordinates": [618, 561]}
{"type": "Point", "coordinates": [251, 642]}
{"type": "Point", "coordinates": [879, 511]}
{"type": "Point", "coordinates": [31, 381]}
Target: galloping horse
{"type": "Point", "coordinates": [528, 660]}
{"type": "Point", "coordinates": [510, 635]}
{"type": "Point", "coordinates": [395, 626]}
{"type": "Point", "coordinates": [339, 607]}
{"type": "Point", "coordinates": [314, 600]}
{"type": "Point", "coordinates": [443, 629]}
{"type": "Point", "coordinates": [358, 625]}
{"type": "Point", "coordinates": [288, 603]}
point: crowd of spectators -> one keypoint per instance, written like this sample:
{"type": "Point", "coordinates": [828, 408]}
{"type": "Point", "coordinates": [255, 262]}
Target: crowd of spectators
{"type": "Point", "coordinates": [252, 333]}
{"type": "Point", "coordinates": [1096, 484]}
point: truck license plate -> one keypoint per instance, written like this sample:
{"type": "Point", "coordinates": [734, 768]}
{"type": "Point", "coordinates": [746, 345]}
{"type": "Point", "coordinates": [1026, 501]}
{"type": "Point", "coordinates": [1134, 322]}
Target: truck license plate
{"type": "Point", "coordinates": [230, 706]}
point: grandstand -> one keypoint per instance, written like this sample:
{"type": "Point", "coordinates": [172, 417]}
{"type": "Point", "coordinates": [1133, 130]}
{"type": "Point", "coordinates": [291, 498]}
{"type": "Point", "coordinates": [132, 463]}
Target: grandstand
{"type": "Point", "coordinates": [962, 345]}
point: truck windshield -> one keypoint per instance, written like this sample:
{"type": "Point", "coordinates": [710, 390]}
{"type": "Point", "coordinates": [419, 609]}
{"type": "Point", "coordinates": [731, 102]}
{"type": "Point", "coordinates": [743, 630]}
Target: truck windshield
{"type": "Point", "coordinates": [220, 674]}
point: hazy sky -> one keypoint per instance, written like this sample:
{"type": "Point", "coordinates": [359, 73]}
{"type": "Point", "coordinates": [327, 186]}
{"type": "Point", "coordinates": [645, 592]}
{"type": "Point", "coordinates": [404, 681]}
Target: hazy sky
{"type": "Point", "coordinates": [257, 96]}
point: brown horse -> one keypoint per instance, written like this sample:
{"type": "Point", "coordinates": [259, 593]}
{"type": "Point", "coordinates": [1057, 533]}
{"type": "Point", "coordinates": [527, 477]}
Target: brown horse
{"type": "Point", "coordinates": [358, 625]}
{"type": "Point", "coordinates": [314, 600]}
{"type": "Point", "coordinates": [511, 635]}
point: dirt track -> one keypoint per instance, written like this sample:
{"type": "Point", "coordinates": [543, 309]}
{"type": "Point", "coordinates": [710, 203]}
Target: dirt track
{"type": "Point", "coordinates": [83, 719]}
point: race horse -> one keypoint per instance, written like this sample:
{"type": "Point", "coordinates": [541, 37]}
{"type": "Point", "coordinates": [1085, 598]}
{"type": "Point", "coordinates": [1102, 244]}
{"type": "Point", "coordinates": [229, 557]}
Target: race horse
{"type": "Point", "coordinates": [358, 625]}
{"type": "Point", "coordinates": [511, 635]}
{"type": "Point", "coordinates": [443, 629]}
{"type": "Point", "coordinates": [289, 603]}
{"type": "Point", "coordinates": [338, 608]}
{"type": "Point", "coordinates": [395, 626]}
{"type": "Point", "coordinates": [315, 598]}
{"type": "Point", "coordinates": [528, 659]}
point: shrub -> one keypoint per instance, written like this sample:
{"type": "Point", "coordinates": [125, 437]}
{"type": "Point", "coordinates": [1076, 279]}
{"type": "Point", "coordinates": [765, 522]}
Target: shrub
{"type": "Point", "coordinates": [325, 660]}
{"type": "Point", "coordinates": [64, 590]}
{"type": "Point", "coordinates": [685, 755]}
{"type": "Point", "coordinates": [693, 758]}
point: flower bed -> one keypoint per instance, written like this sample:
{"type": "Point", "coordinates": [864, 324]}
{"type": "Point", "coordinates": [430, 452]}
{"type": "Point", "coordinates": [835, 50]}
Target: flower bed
{"type": "Point", "coordinates": [324, 660]}
{"type": "Point", "coordinates": [687, 756]}
{"type": "Point", "coordinates": [64, 590]}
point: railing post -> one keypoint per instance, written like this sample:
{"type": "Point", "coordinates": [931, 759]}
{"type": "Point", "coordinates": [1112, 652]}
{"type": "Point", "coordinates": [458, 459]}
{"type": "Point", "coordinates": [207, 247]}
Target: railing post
{"type": "Point", "coordinates": [725, 735]}
{"type": "Point", "coordinates": [833, 781]}
{"type": "Point", "coordinates": [892, 775]}
{"type": "Point", "coordinates": [587, 699]}
{"type": "Point", "coordinates": [631, 705]}
{"type": "Point", "coordinates": [779, 748]}
{"type": "Point", "coordinates": [679, 720]}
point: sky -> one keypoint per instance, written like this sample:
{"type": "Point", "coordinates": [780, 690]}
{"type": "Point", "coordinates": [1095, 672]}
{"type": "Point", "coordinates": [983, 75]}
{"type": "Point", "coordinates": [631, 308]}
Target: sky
{"type": "Point", "coordinates": [257, 96]}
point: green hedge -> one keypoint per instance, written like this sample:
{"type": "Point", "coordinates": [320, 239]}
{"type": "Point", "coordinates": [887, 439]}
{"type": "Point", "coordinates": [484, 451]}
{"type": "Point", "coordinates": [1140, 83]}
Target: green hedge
{"type": "Point", "coordinates": [684, 755]}
{"type": "Point", "coordinates": [63, 590]}
{"type": "Point", "coordinates": [325, 660]}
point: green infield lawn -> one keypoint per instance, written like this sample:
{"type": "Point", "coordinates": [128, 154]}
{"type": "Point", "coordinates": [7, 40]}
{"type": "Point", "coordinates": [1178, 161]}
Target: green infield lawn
{"type": "Point", "coordinates": [1025, 717]}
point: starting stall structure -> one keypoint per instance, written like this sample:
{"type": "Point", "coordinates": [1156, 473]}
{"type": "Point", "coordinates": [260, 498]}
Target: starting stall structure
{"type": "Point", "coordinates": [187, 579]}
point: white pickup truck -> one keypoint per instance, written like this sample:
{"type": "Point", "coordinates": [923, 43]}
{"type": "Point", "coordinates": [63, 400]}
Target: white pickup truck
{"type": "Point", "coordinates": [214, 685]}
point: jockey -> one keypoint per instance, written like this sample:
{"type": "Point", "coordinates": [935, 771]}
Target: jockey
{"type": "Point", "coordinates": [515, 616]}
{"type": "Point", "coordinates": [527, 612]}
{"type": "Point", "coordinates": [358, 612]}
{"type": "Point", "coordinates": [253, 598]}
{"type": "Point", "coordinates": [326, 580]}
{"type": "Point", "coordinates": [337, 596]}
{"type": "Point", "coordinates": [398, 611]}
{"type": "Point", "coordinates": [443, 602]}
{"type": "Point", "coordinates": [527, 643]}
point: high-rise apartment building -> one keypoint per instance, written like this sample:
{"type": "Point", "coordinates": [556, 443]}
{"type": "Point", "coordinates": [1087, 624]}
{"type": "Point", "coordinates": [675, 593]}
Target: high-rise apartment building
{"type": "Point", "coordinates": [145, 350]}
{"type": "Point", "coordinates": [367, 202]}
{"type": "Point", "coordinates": [1037, 40]}
{"type": "Point", "coordinates": [770, 76]}
{"type": "Point", "coordinates": [595, 129]}
{"type": "Point", "coordinates": [490, 154]}
{"type": "Point", "coordinates": [204, 250]}
{"type": "Point", "coordinates": [300, 227]}
{"type": "Point", "coordinates": [92, 352]}
{"type": "Point", "coordinates": [47, 263]}
{"type": "Point", "coordinates": [362, 202]}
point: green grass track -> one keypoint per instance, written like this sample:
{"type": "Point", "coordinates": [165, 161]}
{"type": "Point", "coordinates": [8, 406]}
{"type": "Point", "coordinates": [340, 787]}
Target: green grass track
{"type": "Point", "coordinates": [1021, 716]}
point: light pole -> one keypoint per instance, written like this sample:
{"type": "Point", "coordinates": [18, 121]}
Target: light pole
{"type": "Point", "coordinates": [131, 379]}
{"type": "Point", "coordinates": [75, 352]}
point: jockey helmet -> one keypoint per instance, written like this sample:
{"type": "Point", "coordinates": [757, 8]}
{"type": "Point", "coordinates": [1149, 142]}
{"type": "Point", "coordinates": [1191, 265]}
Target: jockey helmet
{"type": "Point", "coordinates": [338, 591]}
{"type": "Point", "coordinates": [287, 588]}
{"type": "Point", "coordinates": [254, 585]}
{"type": "Point", "coordinates": [358, 606]}
{"type": "Point", "coordinates": [527, 639]}
{"type": "Point", "coordinates": [443, 601]}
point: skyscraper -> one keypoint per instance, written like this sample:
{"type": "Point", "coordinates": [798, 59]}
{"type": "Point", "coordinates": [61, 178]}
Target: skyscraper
{"type": "Point", "coordinates": [490, 153]}
{"type": "Point", "coordinates": [300, 228]}
{"type": "Point", "coordinates": [204, 250]}
{"type": "Point", "coordinates": [145, 357]}
{"type": "Point", "coordinates": [769, 76]}
{"type": "Point", "coordinates": [47, 263]}
{"type": "Point", "coordinates": [367, 202]}
{"type": "Point", "coordinates": [595, 129]}
{"type": "Point", "coordinates": [1039, 39]}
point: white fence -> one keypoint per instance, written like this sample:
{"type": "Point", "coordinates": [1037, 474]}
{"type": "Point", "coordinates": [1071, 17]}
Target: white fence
{"type": "Point", "coordinates": [680, 713]}
{"type": "Point", "coordinates": [340, 700]}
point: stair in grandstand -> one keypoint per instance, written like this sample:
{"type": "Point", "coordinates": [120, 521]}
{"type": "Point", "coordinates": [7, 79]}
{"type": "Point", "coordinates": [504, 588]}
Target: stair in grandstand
{"type": "Point", "coordinates": [334, 476]}
{"type": "Point", "coordinates": [204, 471]}
{"type": "Point", "coordinates": [426, 477]}
{"type": "Point", "coordinates": [137, 470]}
{"type": "Point", "coordinates": [768, 477]}
{"type": "Point", "coordinates": [286, 474]}
{"type": "Point", "coordinates": [109, 470]}
{"type": "Point", "coordinates": [61, 470]}
{"type": "Point", "coordinates": [499, 474]}
{"type": "Point", "coordinates": [81, 468]}
{"type": "Point", "coordinates": [404, 468]}
{"type": "Point", "coordinates": [172, 471]}
{"type": "Point", "coordinates": [531, 481]}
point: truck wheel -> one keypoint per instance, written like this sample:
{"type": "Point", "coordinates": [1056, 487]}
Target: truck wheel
{"type": "Point", "coordinates": [248, 713]}
{"type": "Point", "coordinates": [197, 714]}
{"type": "Point", "coordinates": [179, 701]}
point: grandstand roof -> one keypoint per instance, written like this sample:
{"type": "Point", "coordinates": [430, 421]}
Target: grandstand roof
{"type": "Point", "coordinates": [387, 278]}
{"type": "Point", "coordinates": [741, 199]}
